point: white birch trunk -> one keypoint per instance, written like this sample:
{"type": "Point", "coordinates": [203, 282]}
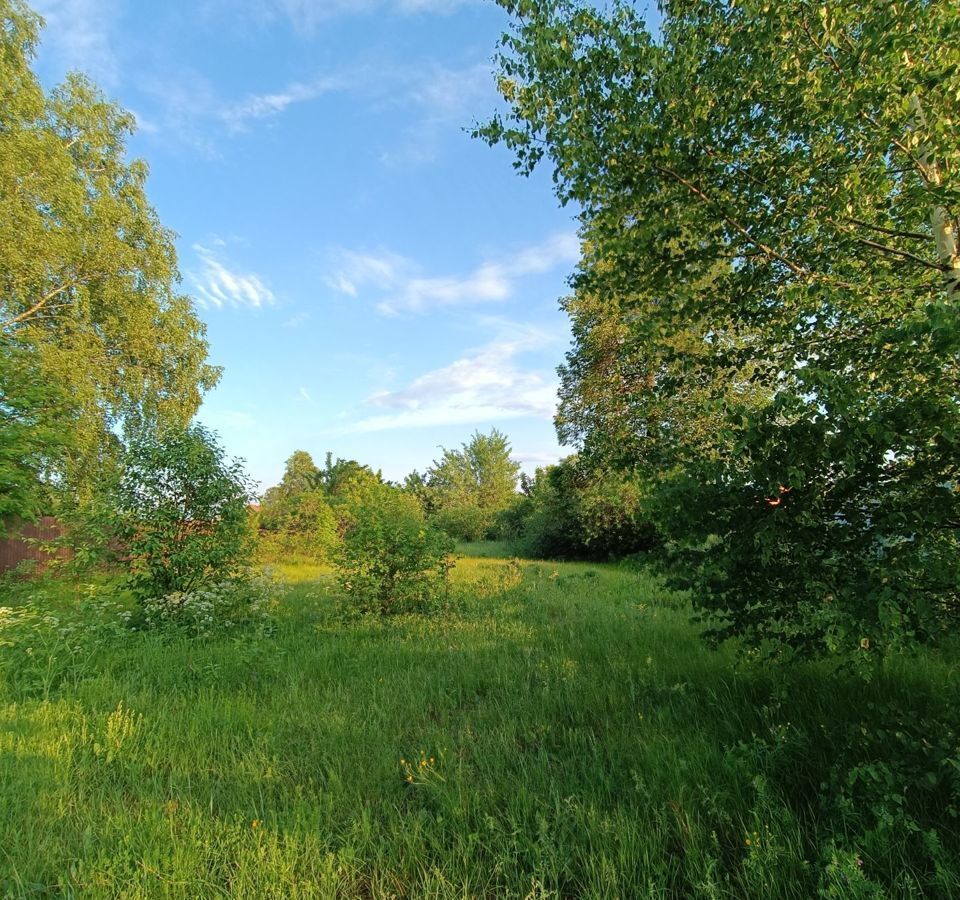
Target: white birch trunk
{"type": "Point", "coordinates": [943, 224]}
{"type": "Point", "coordinates": [945, 235]}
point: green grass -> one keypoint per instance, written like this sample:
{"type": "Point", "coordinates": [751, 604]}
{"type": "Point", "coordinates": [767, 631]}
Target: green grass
{"type": "Point", "coordinates": [579, 742]}
{"type": "Point", "coordinates": [484, 549]}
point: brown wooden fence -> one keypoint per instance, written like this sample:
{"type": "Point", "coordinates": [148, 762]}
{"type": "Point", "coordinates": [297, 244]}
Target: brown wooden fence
{"type": "Point", "coordinates": [14, 550]}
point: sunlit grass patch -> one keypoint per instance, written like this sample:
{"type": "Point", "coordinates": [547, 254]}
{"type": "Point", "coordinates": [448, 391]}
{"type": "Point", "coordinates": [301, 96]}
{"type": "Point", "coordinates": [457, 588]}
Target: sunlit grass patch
{"type": "Point", "coordinates": [557, 725]}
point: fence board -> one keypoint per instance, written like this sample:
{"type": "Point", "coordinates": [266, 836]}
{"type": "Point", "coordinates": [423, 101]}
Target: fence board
{"type": "Point", "coordinates": [14, 550]}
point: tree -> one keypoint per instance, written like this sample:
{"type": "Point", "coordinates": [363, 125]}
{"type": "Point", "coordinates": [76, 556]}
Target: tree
{"type": "Point", "coordinates": [300, 475]}
{"type": "Point", "coordinates": [87, 273]}
{"type": "Point", "coordinates": [344, 477]}
{"type": "Point", "coordinates": [180, 511]}
{"type": "Point", "coordinates": [769, 203]}
{"type": "Point", "coordinates": [571, 511]}
{"type": "Point", "coordinates": [418, 485]}
{"type": "Point", "coordinates": [473, 484]}
{"type": "Point", "coordinates": [296, 515]}
{"type": "Point", "coordinates": [311, 509]}
{"type": "Point", "coordinates": [33, 434]}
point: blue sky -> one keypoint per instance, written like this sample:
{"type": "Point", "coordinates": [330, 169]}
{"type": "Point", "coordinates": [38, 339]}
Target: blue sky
{"type": "Point", "coordinates": [374, 282]}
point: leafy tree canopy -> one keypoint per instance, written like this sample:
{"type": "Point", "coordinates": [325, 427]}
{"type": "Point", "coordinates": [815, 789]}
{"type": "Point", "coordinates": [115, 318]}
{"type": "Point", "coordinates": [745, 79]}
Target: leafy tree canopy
{"type": "Point", "coordinates": [33, 433]}
{"type": "Point", "coordinates": [766, 315]}
{"type": "Point", "coordinates": [88, 274]}
{"type": "Point", "coordinates": [470, 486]}
{"type": "Point", "coordinates": [180, 510]}
{"type": "Point", "coordinates": [571, 510]}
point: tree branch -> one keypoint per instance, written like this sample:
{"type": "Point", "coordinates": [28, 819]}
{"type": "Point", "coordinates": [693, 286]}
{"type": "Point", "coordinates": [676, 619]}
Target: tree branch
{"type": "Point", "coordinates": [903, 254]}
{"type": "Point", "coordinates": [768, 251]}
{"type": "Point", "coordinates": [43, 301]}
{"type": "Point", "coordinates": [913, 235]}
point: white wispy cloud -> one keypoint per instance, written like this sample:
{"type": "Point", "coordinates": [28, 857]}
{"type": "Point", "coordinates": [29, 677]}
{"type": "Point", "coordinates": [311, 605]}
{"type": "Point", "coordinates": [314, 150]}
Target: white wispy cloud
{"type": "Point", "coordinates": [180, 106]}
{"type": "Point", "coordinates": [307, 15]}
{"type": "Point", "coordinates": [535, 459]}
{"type": "Point", "coordinates": [485, 384]}
{"type": "Point", "coordinates": [356, 271]}
{"type": "Point", "coordinates": [237, 116]}
{"type": "Point", "coordinates": [305, 394]}
{"type": "Point", "coordinates": [401, 287]}
{"type": "Point", "coordinates": [216, 285]}
{"type": "Point", "coordinates": [443, 102]}
{"type": "Point", "coordinates": [296, 321]}
{"type": "Point", "coordinates": [79, 35]}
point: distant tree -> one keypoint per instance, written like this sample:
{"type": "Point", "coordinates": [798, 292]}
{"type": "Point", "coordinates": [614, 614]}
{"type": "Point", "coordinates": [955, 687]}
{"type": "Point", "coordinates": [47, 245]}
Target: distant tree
{"type": "Point", "coordinates": [473, 485]}
{"type": "Point", "coordinates": [343, 477]}
{"type": "Point", "coordinates": [300, 473]}
{"type": "Point", "coordinates": [570, 511]}
{"type": "Point", "coordinates": [309, 511]}
{"type": "Point", "coordinates": [418, 485]}
{"type": "Point", "coordinates": [279, 502]}
{"type": "Point", "coordinates": [88, 275]}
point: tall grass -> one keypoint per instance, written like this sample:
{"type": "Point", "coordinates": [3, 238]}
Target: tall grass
{"type": "Point", "coordinates": [559, 731]}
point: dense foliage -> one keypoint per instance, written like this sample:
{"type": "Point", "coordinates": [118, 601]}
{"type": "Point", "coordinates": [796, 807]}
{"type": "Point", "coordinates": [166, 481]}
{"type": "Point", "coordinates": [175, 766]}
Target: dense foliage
{"type": "Point", "coordinates": [766, 315]}
{"type": "Point", "coordinates": [88, 280]}
{"type": "Point", "coordinates": [392, 560]}
{"type": "Point", "coordinates": [34, 432]}
{"type": "Point", "coordinates": [180, 513]}
{"type": "Point", "coordinates": [295, 519]}
{"type": "Point", "coordinates": [305, 516]}
{"type": "Point", "coordinates": [568, 511]}
{"type": "Point", "coordinates": [469, 487]}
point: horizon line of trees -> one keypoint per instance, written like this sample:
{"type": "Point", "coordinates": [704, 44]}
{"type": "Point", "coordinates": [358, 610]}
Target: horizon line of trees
{"type": "Point", "coordinates": [471, 493]}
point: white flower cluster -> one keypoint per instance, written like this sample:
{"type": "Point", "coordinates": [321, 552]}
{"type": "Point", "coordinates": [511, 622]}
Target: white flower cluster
{"type": "Point", "coordinates": [222, 605]}
{"type": "Point", "coordinates": [28, 628]}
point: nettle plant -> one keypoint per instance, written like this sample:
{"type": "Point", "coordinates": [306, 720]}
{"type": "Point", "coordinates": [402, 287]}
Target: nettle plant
{"type": "Point", "coordinates": [391, 560]}
{"type": "Point", "coordinates": [181, 510]}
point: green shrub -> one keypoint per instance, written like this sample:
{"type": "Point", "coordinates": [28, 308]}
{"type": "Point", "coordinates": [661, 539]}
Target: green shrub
{"type": "Point", "coordinates": [305, 532]}
{"type": "Point", "coordinates": [391, 559]}
{"type": "Point", "coordinates": [466, 522]}
{"type": "Point", "coordinates": [181, 515]}
{"type": "Point", "coordinates": [570, 512]}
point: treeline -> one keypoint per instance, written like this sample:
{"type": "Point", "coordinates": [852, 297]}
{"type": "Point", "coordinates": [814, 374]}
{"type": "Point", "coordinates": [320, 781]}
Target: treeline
{"type": "Point", "coordinates": [476, 492]}
{"type": "Point", "coordinates": [765, 315]}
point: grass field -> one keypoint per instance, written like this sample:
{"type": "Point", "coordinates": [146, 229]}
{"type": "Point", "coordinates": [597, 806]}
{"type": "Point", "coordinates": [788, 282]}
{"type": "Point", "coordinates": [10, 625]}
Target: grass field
{"type": "Point", "coordinates": [558, 732]}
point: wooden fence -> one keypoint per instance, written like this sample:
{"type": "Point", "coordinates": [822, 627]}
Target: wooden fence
{"type": "Point", "coordinates": [23, 546]}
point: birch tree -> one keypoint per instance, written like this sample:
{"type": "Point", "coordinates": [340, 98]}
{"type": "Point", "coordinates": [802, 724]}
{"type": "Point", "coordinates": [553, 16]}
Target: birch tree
{"type": "Point", "coordinates": [88, 274]}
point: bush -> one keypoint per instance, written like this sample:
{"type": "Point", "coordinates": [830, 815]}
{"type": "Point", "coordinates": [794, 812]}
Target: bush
{"type": "Point", "coordinates": [568, 512]}
{"type": "Point", "coordinates": [306, 532]}
{"type": "Point", "coordinates": [181, 515]}
{"type": "Point", "coordinates": [465, 522]}
{"type": "Point", "coordinates": [391, 559]}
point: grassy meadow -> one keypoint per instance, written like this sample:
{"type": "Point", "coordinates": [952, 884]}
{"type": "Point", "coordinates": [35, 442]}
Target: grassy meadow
{"type": "Point", "coordinates": [558, 731]}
